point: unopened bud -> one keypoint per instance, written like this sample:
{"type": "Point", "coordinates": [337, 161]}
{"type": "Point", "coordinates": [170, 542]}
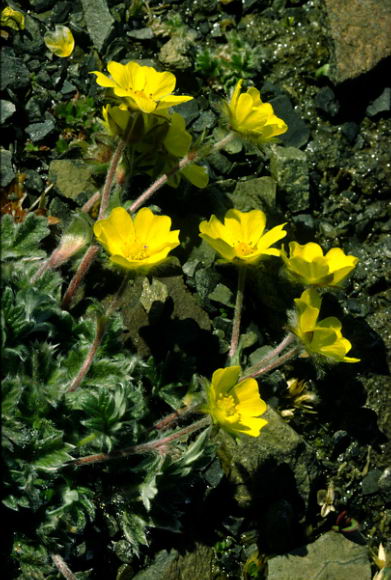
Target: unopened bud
{"type": "Point", "coordinates": [70, 244]}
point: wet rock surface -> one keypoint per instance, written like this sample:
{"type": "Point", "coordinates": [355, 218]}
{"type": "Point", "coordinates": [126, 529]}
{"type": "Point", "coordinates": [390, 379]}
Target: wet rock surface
{"type": "Point", "coordinates": [331, 556]}
{"type": "Point", "coordinates": [360, 40]}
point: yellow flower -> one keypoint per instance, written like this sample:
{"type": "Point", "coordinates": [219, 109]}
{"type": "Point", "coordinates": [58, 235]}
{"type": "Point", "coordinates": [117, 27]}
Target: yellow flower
{"type": "Point", "coordinates": [241, 237]}
{"type": "Point", "coordinates": [324, 337]}
{"type": "Point", "coordinates": [308, 264]}
{"type": "Point", "coordinates": [235, 406]}
{"type": "Point", "coordinates": [60, 42]}
{"type": "Point", "coordinates": [252, 118]}
{"type": "Point", "coordinates": [143, 87]}
{"type": "Point", "coordinates": [137, 243]}
{"type": "Point", "coordinates": [12, 18]}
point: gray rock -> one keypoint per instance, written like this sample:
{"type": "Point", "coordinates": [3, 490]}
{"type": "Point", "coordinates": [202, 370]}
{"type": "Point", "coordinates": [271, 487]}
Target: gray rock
{"type": "Point", "coordinates": [298, 132]}
{"type": "Point", "coordinates": [206, 120]}
{"type": "Point", "coordinates": [271, 467]}
{"type": "Point", "coordinates": [360, 30]}
{"type": "Point", "coordinates": [7, 109]}
{"type": "Point", "coordinates": [7, 173]}
{"type": "Point", "coordinates": [174, 51]}
{"type": "Point", "coordinates": [14, 73]}
{"type": "Point", "coordinates": [370, 483]}
{"type": "Point", "coordinates": [141, 33]}
{"type": "Point", "coordinates": [385, 484]}
{"type": "Point", "coordinates": [98, 20]}
{"type": "Point", "coordinates": [331, 557]}
{"type": "Point", "coordinates": [289, 168]}
{"type": "Point", "coordinates": [72, 178]}
{"type": "Point", "coordinates": [380, 105]}
{"type": "Point", "coordinates": [196, 565]}
{"type": "Point", "coordinates": [258, 193]}
{"type": "Point", "coordinates": [38, 131]}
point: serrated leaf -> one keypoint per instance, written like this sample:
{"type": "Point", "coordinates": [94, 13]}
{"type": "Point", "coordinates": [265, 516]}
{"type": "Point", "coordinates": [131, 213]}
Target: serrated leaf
{"type": "Point", "coordinates": [55, 459]}
{"type": "Point", "coordinates": [22, 239]}
{"type": "Point", "coordinates": [134, 529]}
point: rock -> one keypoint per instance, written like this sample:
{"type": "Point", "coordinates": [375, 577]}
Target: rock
{"type": "Point", "coordinates": [272, 476]}
{"type": "Point", "coordinates": [7, 173]}
{"type": "Point", "coordinates": [326, 101]}
{"type": "Point", "coordinates": [380, 105]}
{"type": "Point", "coordinates": [38, 131]}
{"type": "Point", "coordinates": [258, 193]}
{"type": "Point", "coordinates": [98, 20]}
{"type": "Point", "coordinates": [141, 33]}
{"type": "Point", "coordinates": [360, 30]}
{"type": "Point", "coordinates": [7, 109]}
{"type": "Point", "coordinates": [289, 168]}
{"type": "Point", "coordinates": [298, 133]}
{"type": "Point", "coordinates": [174, 52]}
{"type": "Point", "coordinates": [72, 178]}
{"type": "Point", "coordinates": [330, 557]}
{"type": "Point", "coordinates": [206, 120]}
{"type": "Point", "coordinates": [385, 484]}
{"type": "Point", "coordinates": [222, 294]}
{"type": "Point", "coordinates": [195, 565]}
{"type": "Point", "coordinates": [152, 292]}
{"type": "Point", "coordinates": [370, 483]}
{"type": "Point", "coordinates": [14, 73]}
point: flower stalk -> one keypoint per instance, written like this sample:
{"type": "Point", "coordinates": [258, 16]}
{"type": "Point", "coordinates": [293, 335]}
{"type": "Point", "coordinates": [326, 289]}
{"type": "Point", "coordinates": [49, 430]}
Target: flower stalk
{"type": "Point", "coordinates": [237, 313]}
{"type": "Point", "coordinates": [101, 326]}
{"type": "Point", "coordinates": [191, 157]}
{"type": "Point", "coordinates": [63, 567]}
{"type": "Point", "coordinates": [151, 446]}
{"type": "Point", "coordinates": [257, 372]}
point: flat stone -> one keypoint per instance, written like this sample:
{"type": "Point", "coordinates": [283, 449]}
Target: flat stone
{"type": "Point", "coordinates": [14, 73]}
{"type": "Point", "coordinates": [174, 51]}
{"type": "Point", "coordinates": [298, 132]}
{"type": "Point", "coordinates": [194, 565]}
{"type": "Point", "coordinates": [7, 173]}
{"type": "Point", "coordinates": [289, 167]}
{"type": "Point", "coordinates": [360, 30]}
{"type": "Point", "coordinates": [330, 557]}
{"type": "Point", "coordinates": [380, 105]}
{"type": "Point", "coordinates": [258, 193]}
{"type": "Point", "coordinates": [38, 131]}
{"type": "Point", "coordinates": [271, 465]}
{"type": "Point", "coordinates": [7, 109]}
{"type": "Point", "coordinates": [99, 21]}
{"type": "Point", "coordinates": [72, 178]}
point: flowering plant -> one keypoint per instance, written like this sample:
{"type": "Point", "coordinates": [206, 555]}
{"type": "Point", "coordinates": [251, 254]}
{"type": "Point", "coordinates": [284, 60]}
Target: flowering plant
{"type": "Point", "coordinates": [233, 404]}
{"type": "Point", "coordinates": [137, 243]}
{"type": "Point", "coordinates": [240, 238]}
{"type": "Point", "coordinates": [308, 264]}
{"type": "Point", "coordinates": [252, 118]}
{"type": "Point", "coordinates": [322, 337]}
{"type": "Point", "coordinates": [143, 87]}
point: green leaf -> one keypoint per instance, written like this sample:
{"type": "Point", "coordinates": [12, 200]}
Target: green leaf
{"type": "Point", "coordinates": [55, 459]}
{"type": "Point", "coordinates": [196, 174]}
{"type": "Point", "coordinates": [134, 528]}
{"type": "Point", "coordinates": [21, 240]}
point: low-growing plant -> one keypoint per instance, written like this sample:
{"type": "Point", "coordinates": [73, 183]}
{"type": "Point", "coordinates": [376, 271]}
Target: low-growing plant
{"type": "Point", "coordinates": [85, 445]}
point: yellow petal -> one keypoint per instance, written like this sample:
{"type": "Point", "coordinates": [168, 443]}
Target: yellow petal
{"type": "Point", "coordinates": [224, 379]}
{"type": "Point", "coordinates": [60, 42]}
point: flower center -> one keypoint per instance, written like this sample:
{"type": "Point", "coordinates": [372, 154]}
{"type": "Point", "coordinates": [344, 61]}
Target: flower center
{"type": "Point", "coordinates": [137, 251]}
{"type": "Point", "coordinates": [227, 408]}
{"type": "Point", "coordinates": [243, 249]}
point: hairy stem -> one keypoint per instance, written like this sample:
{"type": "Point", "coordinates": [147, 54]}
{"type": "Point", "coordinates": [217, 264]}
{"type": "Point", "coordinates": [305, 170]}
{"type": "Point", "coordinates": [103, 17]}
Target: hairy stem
{"type": "Point", "coordinates": [290, 337]}
{"type": "Point", "coordinates": [189, 158]}
{"type": "Point", "coordinates": [150, 446]}
{"type": "Point", "coordinates": [238, 312]}
{"type": "Point", "coordinates": [101, 326]}
{"type": "Point", "coordinates": [116, 158]}
{"type": "Point", "coordinates": [82, 270]}
{"type": "Point", "coordinates": [275, 364]}
{"type": "Point", "coordinates": [62, 567]}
